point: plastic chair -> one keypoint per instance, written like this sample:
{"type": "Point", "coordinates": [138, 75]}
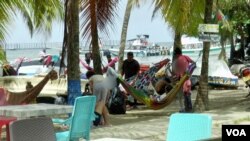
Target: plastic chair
{"type": "Point", "coordinates": [81, 120]}
{"type": "Point", "coordinates": [189, 127]}
{"type": "Point", "coordinates": [33, 129]}
{"type": "Point", "coordinates": [5, 121]}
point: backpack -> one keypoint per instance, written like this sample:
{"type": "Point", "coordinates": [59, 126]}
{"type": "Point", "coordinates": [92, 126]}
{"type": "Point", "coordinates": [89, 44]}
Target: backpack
{"type": "Point", "coordinates": [116, 103]}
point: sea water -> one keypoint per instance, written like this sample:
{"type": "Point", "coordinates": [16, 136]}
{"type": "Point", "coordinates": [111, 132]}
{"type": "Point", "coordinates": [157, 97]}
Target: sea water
{"type": "Point", "coordinates": [28, 53]}
{"type": "Point", "coordinates": [149, 60]}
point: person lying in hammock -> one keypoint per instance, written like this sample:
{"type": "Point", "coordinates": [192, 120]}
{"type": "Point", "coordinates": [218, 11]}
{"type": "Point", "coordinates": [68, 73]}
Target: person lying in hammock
{"type": "Point", "coordinates": [163, 86]}
{"type": "Point", "coordinates": [155, 101]}
{"type": "Point", "coordinates": [165, 81]}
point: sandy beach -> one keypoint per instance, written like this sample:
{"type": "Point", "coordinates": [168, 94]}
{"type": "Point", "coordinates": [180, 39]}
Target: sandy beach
{"type": "Point", "coordinates": [226, 107]}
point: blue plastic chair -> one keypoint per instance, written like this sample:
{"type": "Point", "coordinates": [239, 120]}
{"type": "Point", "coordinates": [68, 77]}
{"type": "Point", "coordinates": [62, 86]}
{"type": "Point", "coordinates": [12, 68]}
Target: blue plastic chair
{"type": "Point", "coordinates": [80, 121]}
{"type": "Point", "coordinates": [189, 127]}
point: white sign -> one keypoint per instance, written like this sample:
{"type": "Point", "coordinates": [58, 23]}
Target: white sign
{"type": "Point", "coordinates": [211, 28]}
{"type": "Point", "coordinates": [209, 37]}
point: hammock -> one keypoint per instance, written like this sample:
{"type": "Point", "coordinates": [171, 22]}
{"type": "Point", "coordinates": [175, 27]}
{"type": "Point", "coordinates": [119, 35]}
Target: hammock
{"type": "Point", "coordinates": [16, 98]}
{"type": "Point", "coordinates": [160, 101]}
{"type": "Point", "coordinates": [104, 69]}
{"type": "Point", "coordinates": [144, 79]}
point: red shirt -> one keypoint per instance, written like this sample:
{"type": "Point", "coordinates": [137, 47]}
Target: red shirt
{"type": "Point", "coordinates": [182, 64]}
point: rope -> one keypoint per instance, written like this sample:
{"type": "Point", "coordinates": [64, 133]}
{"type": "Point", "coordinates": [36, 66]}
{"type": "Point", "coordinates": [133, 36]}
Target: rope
{"type": "Point", "coordinates": [199, 56]}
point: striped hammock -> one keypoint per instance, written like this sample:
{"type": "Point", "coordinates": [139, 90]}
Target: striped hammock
{"type": "Point", "coordinates": [144, 79]}
{"type": "Point", "coordinates": [159, 101]}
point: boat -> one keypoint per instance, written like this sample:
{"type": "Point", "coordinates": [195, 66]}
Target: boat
{"type": "Point", "coordinates": [35, 66]}
{"type": "Point", "coordinates": [141, 47]}
{"type": "Point", "coordinates": [219, 74]}
{"type": "Point", "coordinates": [192, 46]}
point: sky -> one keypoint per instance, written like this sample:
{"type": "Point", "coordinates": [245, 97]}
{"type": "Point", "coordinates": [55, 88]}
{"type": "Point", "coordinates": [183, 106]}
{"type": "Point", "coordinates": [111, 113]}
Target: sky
{"type": "Point", "coordinates": [140, 23]}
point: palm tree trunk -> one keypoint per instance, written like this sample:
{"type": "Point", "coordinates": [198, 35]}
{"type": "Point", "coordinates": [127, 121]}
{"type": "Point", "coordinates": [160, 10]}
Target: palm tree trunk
{"type": "Point", "coordinates": [242, 42]}
{"type": "Point", "coordinates": [74, 86]}
{"type": "Point", "coordinates": [64, 46]}
{"type": "Point", "coordinates": [232, 48]}
{"type": "Point", "coordinates": [177, 42]}
{"type": "Point", "coordinates": [222, 54]}
{"type": "Point", "coordinates": [124, 35]}
{"type": "Point", "coordinates": [94, 34]}
{"type": "Point", "coordinates": [202, 101]}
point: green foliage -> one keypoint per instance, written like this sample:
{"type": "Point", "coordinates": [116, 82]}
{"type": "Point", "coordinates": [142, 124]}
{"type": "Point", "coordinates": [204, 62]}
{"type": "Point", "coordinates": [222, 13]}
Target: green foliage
{"type": "Point", "coordinates": [6, 8]}
{"type": "Point", "coordinates": [2, 56]}
{"type": "Point", "coordinates": [38, 14]}
{"type": "Point", "coordinates": [104, 15]}
{"type": "Point", "coordinates": [96, 15]}
{"type": "Point", "coordinates": [183, 16]}
{"type": "Point", "coordinates": [237, 13]}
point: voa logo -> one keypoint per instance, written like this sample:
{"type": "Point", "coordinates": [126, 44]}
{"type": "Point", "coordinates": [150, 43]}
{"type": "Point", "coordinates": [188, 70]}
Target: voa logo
{"type": "Point", "coordinates": [236, 132]}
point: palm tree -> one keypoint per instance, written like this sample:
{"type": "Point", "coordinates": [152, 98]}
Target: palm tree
{"type": "Point", "coordinates": [225, 32]}
{"type": "Point", "coordinates": [71, 44]}
{"type": "Point", "coordinates": [201, 102]}
{"type": "Point", "coordinates": [128, 10]}
{"type": "Point", "coordinates": [183, 16]}
{"type": "Point", "coordinates": [92, 19]}
{"type": "Point", "coordinates": [237, 17]}
{"type": "Point", "coordinates": [95, 21]}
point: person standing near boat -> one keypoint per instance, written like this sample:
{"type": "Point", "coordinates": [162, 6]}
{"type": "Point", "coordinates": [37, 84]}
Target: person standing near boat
{"type": "Point", "coordinates": [130, 69]}
{"type": "Point", "coordinates": [43, 53]}
{"type": "Point", "coordinates": [180, 65]}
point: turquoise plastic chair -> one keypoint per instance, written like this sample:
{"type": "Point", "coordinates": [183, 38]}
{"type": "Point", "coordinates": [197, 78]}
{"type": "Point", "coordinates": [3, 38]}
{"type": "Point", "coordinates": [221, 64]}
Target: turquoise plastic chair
{"type": "Point", "coordinates": [81, 120]}
{"type": "Point", "coordinates": [189, 127]}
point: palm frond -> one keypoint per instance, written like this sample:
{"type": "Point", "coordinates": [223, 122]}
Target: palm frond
{"type": "Point", "coordinates": [162, 6]}
{"type": "Point", "coordinates": [182, 15]}
{"type": "Point", "coordinates": [104, 15]}
{"type": "Point", "coordinates": [6, 8]}
{"type": "Point", "coordinates": [39, 15]}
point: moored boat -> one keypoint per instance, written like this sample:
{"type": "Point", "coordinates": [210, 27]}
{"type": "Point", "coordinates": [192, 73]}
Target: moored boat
{"type": "Point", "coordinates": [219, 74]}
{"type": "Point", "coordinates": [192, 46]}
{"type": "Point", "coordinates": [141, 47]}
{"type": "Point", "coordinates": [37, 66]}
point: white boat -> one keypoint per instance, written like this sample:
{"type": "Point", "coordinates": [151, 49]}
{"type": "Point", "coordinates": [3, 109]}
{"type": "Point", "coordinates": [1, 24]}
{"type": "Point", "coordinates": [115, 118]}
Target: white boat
{"type": "Point", "coordinates": [141, 48]}
{"type": "Point", "coordinates": [192, 47]}
{"type": "Point", "coordinates": [219, 73]}
{"type": "Point", "coordinates": [35, 67]}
